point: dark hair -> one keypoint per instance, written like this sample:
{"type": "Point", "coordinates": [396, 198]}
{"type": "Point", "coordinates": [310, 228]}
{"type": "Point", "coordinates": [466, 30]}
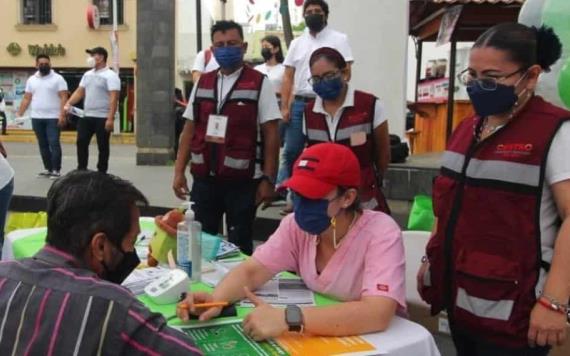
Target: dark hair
{"type": "Point", "coordinates": [83, 203]}
{"type": "Point", "coordinates": [41, 55]}
{"type": "Point", "coordinates": [322, 3]}
{"type": "Point", "coordinates": [275, 42]}
{"type": "Point", "coordinates": [356, 205]}
{"type": "Point", "coordinates": [525, 45]}
{"type": "Point", "coordinates": [331, 55]}
{"type": "Point", "coordinates": [224, 26]}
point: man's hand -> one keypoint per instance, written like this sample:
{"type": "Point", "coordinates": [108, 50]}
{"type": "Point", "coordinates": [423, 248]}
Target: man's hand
{"type": "Point", "coordinates": [180, 186]}
{"type": "Point", "coordinates": [62, 121]}
{"type": "Point", "coordinates": [265, 193]}
{"type": "Point", "coordinates": [67, 108]}
{"type": "Point", "coordinates": [265, 321]}
{"type": "Point", "coordinates": [186, 308]}
{"type": "Point", "coordinates": [286, 113]}
{"type": "Point", "coordinates": [547, 327]}
{"type": "Point", "coordinates": [3, 150]}
{"type": "Point", "coordinates": [109, 125]}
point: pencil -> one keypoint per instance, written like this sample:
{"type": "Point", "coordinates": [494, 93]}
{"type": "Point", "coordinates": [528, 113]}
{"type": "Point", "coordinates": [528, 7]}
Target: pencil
{"type": "Point", "coordinates": [203, 305]}
{"type": "Point", "coordinates": [211, 305]}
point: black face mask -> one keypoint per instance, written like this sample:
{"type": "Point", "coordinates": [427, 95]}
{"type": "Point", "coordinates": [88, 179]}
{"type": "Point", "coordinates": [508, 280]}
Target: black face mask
{"type": "Point", "coordinates": [44, 69]}
{"type": "Point", "coordinates": [315, 22]}
{"type": "Point", "coordinates": [122, 270]}
{"type": "Point", "coordinates": [266, 53]}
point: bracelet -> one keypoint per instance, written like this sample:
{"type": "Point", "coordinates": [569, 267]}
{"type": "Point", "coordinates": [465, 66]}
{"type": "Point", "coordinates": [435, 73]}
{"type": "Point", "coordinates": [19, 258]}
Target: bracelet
{"type": "Point", "coordinates": [424, 259]}
{"type": "Point", "coordinates": [551, 306]}
{"type": "Point", "coordinates": [554, 302]}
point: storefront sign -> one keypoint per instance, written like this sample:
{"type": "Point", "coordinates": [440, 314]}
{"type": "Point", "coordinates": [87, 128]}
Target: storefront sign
{"type": "Point", "coordinates": [14, 49]}
{"type": "Point", "coordinates": [50, 50]}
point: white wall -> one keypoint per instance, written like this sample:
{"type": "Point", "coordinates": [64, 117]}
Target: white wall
{"type": "Point", "coordinates": [378, 34]}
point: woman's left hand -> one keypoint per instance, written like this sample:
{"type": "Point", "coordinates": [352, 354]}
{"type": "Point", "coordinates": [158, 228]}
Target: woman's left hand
{"type": "Point", "coordinates": [265, 321]}
{"type": "Point", "coordinates": [547, 327]}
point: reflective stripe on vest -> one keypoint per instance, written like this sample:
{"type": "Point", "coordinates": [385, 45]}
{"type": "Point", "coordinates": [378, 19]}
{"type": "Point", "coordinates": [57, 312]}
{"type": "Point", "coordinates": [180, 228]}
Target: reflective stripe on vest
{"type": "Point", "coordinates": [244, 95]}
{"type": "Point", "coordinates": [205, 94]}
{"type": "Point", "coordinates": [318, 135]}
{"type": "Point", "coordinates": [484, 308]}
{"type": "Point", "coordinates": [344, 134]}
{"type": "Point", "coordinates": [236, 163]}
{"type": "Point", "coordinates": [197, 158]}
{"type": "Point", "coordinates": [510, 172]}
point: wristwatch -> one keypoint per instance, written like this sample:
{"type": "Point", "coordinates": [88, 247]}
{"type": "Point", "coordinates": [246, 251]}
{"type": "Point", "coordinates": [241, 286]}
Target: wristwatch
{"type": "Point", "coordinates": [294, 318]}
{"type": "Point", "coordinates": [268, 178]}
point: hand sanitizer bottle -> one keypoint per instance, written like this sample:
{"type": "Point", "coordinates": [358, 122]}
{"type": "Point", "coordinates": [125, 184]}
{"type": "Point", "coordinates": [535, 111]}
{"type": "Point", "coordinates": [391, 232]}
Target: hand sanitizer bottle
{"type": "Point", "coordinates": [196, 250]}
{"type": "Point", "coordinates": [183, 241]}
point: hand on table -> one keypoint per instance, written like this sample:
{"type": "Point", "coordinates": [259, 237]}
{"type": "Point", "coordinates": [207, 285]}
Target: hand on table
{"type": "Point", "coordinates": [547, 327]}
{"type": "Point", "coordinates": [186, 307]}
{"type": "Point", "coordinates": [265, 321]}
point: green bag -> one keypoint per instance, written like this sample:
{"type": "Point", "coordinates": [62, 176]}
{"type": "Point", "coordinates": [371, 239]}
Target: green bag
{"type": "Point", "coordinates": [18, 221]}
{"type": "Point", "coordinates": [421, 216]}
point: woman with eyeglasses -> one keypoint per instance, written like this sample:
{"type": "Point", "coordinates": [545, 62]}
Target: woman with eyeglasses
{"type": "Point", "coordinates": [350, 117]}
{"type": "Point", "coordinates": [355, 256]}
{"type": "Point", "coordinates": [499, 258]}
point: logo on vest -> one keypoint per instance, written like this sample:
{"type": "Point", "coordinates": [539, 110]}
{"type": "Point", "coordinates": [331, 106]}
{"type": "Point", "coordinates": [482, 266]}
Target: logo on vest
{"type": "Point", "coordinates": [514, 149]}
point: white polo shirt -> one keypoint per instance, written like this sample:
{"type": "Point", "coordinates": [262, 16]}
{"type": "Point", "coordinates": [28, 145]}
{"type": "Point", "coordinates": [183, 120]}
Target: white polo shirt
{"type": "Point", "coordinates": [268, 109]}
{"type": "Point", "coordinates": [200, 64]}
{"type": "Point", "coordinates": [333, 121]}
{"type": "Point", "coordinates": [45, 91]}
{"type": "Point", "coordinates": [274, 73]}
{"type": "Point", "coordinates": [303, 47]}
{"type": "Point", "coordinates": [97, 85]}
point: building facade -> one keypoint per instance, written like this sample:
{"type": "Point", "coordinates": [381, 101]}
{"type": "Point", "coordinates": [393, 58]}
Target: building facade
{"type": "Point", "coordinates": [60, 29]}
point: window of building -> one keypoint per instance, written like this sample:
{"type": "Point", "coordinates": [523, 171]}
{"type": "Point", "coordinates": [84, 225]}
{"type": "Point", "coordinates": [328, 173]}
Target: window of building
{"type": "Point", "coordinates": [106, 11]}
{"type": "Point", "coordinates": [36, 12]}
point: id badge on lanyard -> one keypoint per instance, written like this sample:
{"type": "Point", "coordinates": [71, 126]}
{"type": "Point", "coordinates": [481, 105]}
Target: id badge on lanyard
{"type": "Point", "coordinates": [217, 127]}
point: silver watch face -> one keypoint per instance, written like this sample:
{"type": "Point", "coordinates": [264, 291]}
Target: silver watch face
{"type": "Point", "coordinates": [293, 316]}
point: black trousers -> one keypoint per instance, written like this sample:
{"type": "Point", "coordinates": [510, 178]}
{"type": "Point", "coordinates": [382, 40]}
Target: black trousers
{"type": "Point", "coordinates": [467, 344]}
{"type": "Point", "coordinates": [86, 128]}
{"type": "Point", "coordinates": [213, 198]}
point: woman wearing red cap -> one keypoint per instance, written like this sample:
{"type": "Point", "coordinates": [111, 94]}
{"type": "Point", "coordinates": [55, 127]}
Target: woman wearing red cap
{"type": "Point", "coordinates": [338, 249]}
{"type": "Point", "coordinates": [349, 117]}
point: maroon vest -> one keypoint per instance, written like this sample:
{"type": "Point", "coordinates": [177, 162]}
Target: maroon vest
{"type": "Point", "coordinates": [355, 119]}
{"type": "Point", "coordinates": [235, 158]}
{"type": "Point", "coordinates": [485, 256]}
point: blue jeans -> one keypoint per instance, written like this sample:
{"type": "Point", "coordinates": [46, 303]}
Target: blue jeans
{"type": "Point", "coordinates": [294, 141]}
{"type": "Point", "coordinates": [5, 197]}
{"type": "Point", "coordinates": [47, 133]}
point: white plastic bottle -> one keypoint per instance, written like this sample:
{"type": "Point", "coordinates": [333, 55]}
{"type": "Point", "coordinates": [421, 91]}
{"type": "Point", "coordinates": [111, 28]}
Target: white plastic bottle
{"type": "Point", "coordinates": [183, 241]}
{"type": "Point", "coordinates": [196, 250]}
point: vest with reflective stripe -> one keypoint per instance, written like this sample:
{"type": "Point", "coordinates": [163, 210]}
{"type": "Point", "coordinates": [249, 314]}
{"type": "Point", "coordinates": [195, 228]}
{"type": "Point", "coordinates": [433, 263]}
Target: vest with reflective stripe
{"type": "Point", "coordinates": [355, 119]}
{"type": "Point", "coordinates": [485, 256]}
{"type": "Point", "coordinates": [235, 158]}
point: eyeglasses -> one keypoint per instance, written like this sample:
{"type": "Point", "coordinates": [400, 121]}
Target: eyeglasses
{"type": "Point", "coordinates": [486, 83]}
{"type": "Point", "coordinates": [315, 79]}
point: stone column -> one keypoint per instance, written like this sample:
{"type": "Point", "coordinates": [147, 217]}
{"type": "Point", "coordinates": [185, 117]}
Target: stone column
{"type": "Point", "coordinates": [155, 81]}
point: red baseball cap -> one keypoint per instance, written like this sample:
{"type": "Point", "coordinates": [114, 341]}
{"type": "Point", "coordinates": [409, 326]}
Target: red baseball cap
{"type": "Point", "coordinates": [322, 168]}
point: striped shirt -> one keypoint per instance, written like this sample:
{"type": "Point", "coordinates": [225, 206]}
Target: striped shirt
{"type": "Point", "coordinates": [50, 305]}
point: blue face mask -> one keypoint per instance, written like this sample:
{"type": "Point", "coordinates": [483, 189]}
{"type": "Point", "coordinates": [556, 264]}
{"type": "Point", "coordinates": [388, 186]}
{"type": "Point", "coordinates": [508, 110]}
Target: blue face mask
{"type": "Point", "coordinates": [311, 214]}
{"type": "Point", "coordinates": [329, 89]}
{"type": "Point", "coordinates": [228, 57]}
{"type": "Point", "coordinates": [492, 102]}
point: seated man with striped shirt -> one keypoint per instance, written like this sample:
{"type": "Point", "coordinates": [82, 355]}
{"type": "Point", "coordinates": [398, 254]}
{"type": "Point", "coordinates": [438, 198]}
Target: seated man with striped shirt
{"type": "Point", "coordinates": [67, 299]}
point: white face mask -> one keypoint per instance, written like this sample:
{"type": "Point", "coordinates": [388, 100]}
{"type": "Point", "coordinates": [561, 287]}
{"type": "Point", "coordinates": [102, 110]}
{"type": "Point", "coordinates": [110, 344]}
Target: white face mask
{"type": "Point", "coordinates": [91, 62]}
